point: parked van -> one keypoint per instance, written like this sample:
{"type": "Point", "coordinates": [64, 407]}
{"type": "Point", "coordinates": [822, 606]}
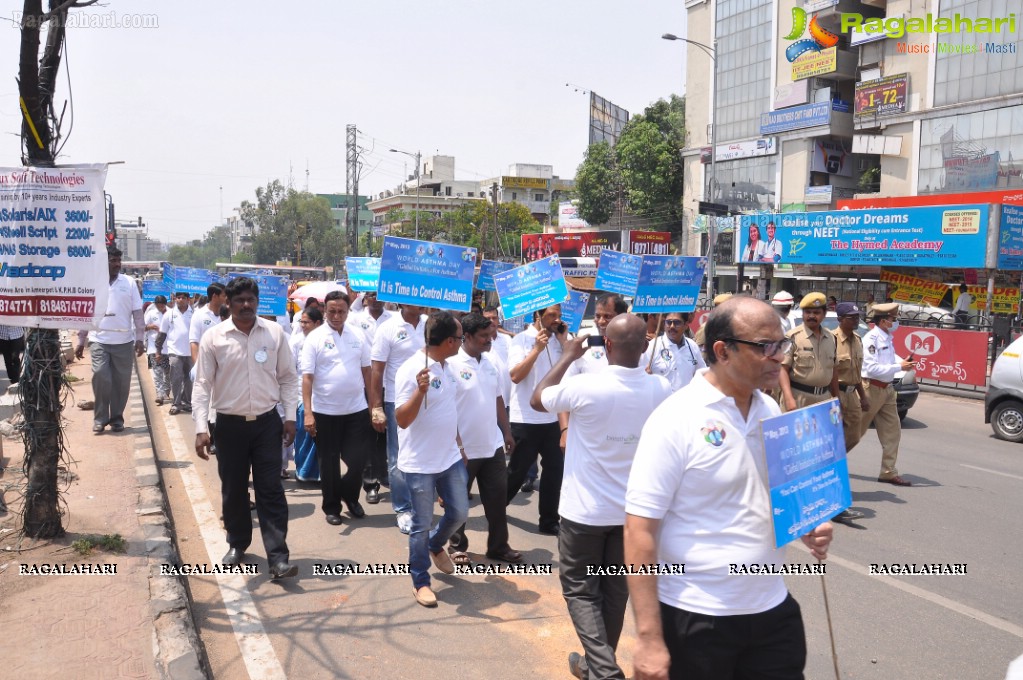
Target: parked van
{"type": "Point", "coordinates": [1003, 405]}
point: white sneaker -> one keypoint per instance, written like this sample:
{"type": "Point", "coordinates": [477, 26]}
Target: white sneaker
{"type": "Point", "coordinates": [405, 522]}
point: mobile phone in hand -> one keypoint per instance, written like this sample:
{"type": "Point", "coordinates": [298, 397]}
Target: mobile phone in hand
{"type": "Point", "coordinates": [561, 328]}
{"type": "Point", "coordinates": [595, 341]}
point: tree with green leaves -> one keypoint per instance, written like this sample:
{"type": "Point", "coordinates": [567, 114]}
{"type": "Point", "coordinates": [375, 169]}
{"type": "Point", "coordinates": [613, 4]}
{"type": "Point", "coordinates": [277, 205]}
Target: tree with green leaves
{"type": "Point", "coordinates": [293, 225]}
{"type": "Point", "coordinates": [598, 183]}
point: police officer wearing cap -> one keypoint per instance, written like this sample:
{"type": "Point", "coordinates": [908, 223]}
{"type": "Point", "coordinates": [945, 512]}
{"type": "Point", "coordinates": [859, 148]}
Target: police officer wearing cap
{"type": "Point", "coordinates": [810, 373]}
{"type": "Point", "coordinates": [880, 364]}
{"type": "Point", "coordinates": [850, 365]}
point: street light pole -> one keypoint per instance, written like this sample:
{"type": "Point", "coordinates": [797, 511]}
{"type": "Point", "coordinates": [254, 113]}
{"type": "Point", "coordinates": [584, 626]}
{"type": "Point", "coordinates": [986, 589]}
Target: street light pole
{"type": "Point", "coordinates": [418, 155]}
{"type": "Point", "coordinates": [711, 52]}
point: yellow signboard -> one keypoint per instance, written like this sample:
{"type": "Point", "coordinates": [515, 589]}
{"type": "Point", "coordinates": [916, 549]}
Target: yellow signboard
{"type": "Point", "coordinates": [1004, 299]}
{"type": "Point", "coordinates": [960, 222]}
{"type": "Point", "coordinates": [523, 182]}
{"type": "Point", "coordinates": [813, 64]}
{"type": "Point", "coordinates": [903, 288]}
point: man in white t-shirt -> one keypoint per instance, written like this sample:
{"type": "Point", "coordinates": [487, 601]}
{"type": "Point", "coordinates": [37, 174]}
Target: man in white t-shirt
{"type": "Point", "coordinates": [203, 319]}
{"type": "Point", "coordinates": [698, 496]}
{"type": "Point", "coordinates": [335, 369]}
{"type": "Point", "coordinates": [533, 354]}
{"type": "Point", "coordinates": [161, 369]}
{"type": "Point", "coordinates": [607, 410]}
{"type": "Point", "coordinates": [672, 354]}
{"type": "Point", "coordinates": [120, 332]}
{"type": "Point", "coordinates": [426, 413]}
{"type": "Point", "coordinates": [173, 341]}
{"type": "Point", "coordinates": [368, 314]}
{"type": "Point", "coordinates": [395, 341]}
{"type": "Point", "coordinates": [485, 435]}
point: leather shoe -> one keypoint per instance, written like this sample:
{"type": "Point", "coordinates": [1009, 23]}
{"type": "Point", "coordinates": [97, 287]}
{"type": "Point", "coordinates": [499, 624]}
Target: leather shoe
{"type": "Point", "coordinates": [373, 495]}
{"type": "Point", "coordinates": [333, 519]}
{"type": "Point", "coordinates": [896, 480]}
{"type": "Point", "coordinates": [443, 562]}
{"type": "Point", "coordinates": [234, 556]}
{"type": "Point", "coordinates": [425, 596]}
{"type": "Point", "coordinates": [174, 410]}
{"type": "Point", "coordinates": [552, 530]}
{"type": "Point", "coordinates": [117, 428]}
{"type": "Point", "coordinates": [283, 570]}
{"type": "Point", "coordinates": [577, 665]}
{"type": "Point", "coordinates": [97, 428]}
{"type": "Point", "coordinates": [355, 509]}
{"type": "Point", "coordinates": [508, 555]}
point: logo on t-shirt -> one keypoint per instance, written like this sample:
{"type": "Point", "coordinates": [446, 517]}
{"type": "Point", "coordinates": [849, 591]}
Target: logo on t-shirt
{"type": "Point", "coordinates": [327, 344]}
{"type": "Point", "coordinates": [435, 383]}
{"type": "Point", "coordinates": [365, 325]}
{"type": "Point", "coordinates": [465, 374]}
{"type": "Point", "coordinates": [666, 354]}
{"type": "Point", "coordinates": [402, 334]}
{"type": "Point", "coordinates": [714, 433]}
{"type": "Point", "coordinates": [207, 322]}
{"type": "Point", "coordinates": [597, 353]}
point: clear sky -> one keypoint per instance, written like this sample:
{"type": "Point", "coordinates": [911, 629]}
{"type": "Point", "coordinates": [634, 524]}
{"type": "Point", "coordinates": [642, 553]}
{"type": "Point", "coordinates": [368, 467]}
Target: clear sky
{"type": "Point", "coordinates": [214, 96]}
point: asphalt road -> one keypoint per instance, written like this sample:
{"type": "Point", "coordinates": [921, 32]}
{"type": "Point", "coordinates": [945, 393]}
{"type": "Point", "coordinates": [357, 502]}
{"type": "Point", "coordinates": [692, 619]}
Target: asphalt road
{"type": "Point", "coordinates": [966, 507]}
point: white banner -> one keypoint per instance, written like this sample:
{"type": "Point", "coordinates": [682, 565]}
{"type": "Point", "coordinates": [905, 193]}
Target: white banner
{"type": "Point", "coordinates": [568, 217]}
{"type": "Point", "coordinates": [53, 257]}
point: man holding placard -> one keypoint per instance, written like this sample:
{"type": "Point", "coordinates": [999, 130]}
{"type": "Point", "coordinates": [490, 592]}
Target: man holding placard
{"type": "Point", "coordinates": [533, 354]}
{"type": "Point", "coordinates": [697, 496]}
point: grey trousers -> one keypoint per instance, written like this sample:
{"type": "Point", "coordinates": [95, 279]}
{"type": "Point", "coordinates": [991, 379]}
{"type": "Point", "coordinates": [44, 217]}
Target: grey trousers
{"type": "Point", "coordinates": [161, 374]}
{"type": "Point", "coordinates": [181, 381]}
{"type": "Point", "coordinates": [596, 603]}
{"type": "Point", "coordinates": [111, 380]}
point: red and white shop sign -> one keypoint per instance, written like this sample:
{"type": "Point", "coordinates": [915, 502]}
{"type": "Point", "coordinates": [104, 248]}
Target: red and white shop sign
{"type": "Point", "coordinates": [944, 354]}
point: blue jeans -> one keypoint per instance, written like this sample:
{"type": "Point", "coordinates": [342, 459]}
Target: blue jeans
{"type": "Point", "coordinates": [401, 500]}
{"type": "Point", "coordinates": [425, 487]}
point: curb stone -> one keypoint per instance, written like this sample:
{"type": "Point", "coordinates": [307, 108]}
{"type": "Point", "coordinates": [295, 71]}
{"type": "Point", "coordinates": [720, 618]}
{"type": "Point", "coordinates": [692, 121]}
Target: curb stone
{"type": "Point", "coordinates": [176, 647]}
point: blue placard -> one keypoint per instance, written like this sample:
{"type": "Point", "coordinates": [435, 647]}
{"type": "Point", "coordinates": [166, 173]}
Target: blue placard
{"type": "Point", "coordinates": [488, 268]}
{"type": "Point", "coordinates": [153, 287]}
{"type": "Point", "coordinates": [188, 279]}
{"type": "Point", "coordinates": [668, 283]}
{"type": "Point", "coordinates": [573, 309]}
{"type": "Point", "coordinates": [618, 272]}
{"type": "Point", "coordinates": [807, 470]}
{"type": "Point", "coordinates": [425, 273]}
{"type": "Point", "coordinates": [1010, 238]}
{"type": "Point", "coordinates": [273, 293]}
{"type": "Point", "coordinates": [363, 273]}
{"type": "Point", "coordinates": [795, 118]}
{"type": "Point", "coordinates": [931, 236]}
{"type": "Point", "coordinates": [531, 287]}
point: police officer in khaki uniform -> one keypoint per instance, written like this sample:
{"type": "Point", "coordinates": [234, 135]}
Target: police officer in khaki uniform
{"type": "Point", "coordinates": [718, 299]}
{"type": "Point", "coordinates": [810, 373]}
{"type": "Point", "coordinates": [880, 364]}
{"type": "Point", "coordinates": [850, 364]}
{"type": "Point", "coordinates": [849, 357]}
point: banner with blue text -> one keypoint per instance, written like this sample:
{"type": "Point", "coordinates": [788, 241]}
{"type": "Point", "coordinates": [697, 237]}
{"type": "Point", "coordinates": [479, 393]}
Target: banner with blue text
{"type": "Point", "coordinates": [428, 274]}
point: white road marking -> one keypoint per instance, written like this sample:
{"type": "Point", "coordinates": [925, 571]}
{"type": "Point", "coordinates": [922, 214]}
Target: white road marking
{"type": "Point", "coordinates": [259, 656]}
{"type": "Point", "coordinates": [952, 605]}
{"type": "Point", "coordinates": [994, 472]}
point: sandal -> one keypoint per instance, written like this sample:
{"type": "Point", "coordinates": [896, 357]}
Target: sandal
{"type": "Point", "coordinates": [461, 558]}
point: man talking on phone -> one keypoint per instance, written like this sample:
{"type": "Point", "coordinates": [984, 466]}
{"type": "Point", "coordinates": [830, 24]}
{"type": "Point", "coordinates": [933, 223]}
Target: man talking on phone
{"type": "Point", "coordinates": [532, 355]}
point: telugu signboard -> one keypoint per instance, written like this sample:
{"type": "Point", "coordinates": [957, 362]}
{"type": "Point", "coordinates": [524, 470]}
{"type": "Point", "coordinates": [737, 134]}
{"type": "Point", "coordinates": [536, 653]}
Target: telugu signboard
{"type": "Point", "coordinates": [53, 257]}
{"type": "Point", "coordinates": [943, 354]}
{"type": "Point", "coordinates": [938, 236]}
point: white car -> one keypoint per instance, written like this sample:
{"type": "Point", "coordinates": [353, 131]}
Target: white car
{"type": "Point", "coordinates": [1003, 403]}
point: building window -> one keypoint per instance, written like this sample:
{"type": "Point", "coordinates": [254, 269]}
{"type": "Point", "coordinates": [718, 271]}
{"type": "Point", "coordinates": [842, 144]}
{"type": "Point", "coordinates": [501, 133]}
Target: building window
{"type": "Point", "coordinates": [470, 194]}
{"type": "Point", "coordinates": [538, 197]}
{"type": "Point", "coordinates": [963, 77]}
{"type": "Point", "coordinates": [975, 151]}
{"type": "Point", "coordinates": [515, 196]}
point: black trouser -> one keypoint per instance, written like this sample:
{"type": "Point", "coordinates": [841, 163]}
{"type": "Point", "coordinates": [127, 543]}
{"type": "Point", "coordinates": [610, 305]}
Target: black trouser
{"type": "Point", "coordinates": [545, 440]}
{"type": "Point", "coordinates": [340, 438]}
{"type": "Point", "coordinates": [595, 603]}
{"type": "Point", "coordinates": [491, 475]}
{"type": "Point", "coordinates": [12, 351]}
{"type": "Point", "coordinates": [770, 645]}
{"type": "Point", "coordinates": [375, 470]}
{"type": "Point", "coordinates": [255, 445]}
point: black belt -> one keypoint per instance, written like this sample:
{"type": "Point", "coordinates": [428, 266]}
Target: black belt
{"type": "Point", "coordinates": [810, 389]}
{"type": "Point", "coordinates": [247, 419]}
{"type": "Point", "coordinates": [845, 387]}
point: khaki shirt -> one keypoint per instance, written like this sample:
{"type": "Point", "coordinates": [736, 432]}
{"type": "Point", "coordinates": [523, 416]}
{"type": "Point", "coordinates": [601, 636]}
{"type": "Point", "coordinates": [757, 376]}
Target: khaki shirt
{"type": "Point", "coordinates": [849, 357]}
{"type": "Point", "coordinates": [811, 360]}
